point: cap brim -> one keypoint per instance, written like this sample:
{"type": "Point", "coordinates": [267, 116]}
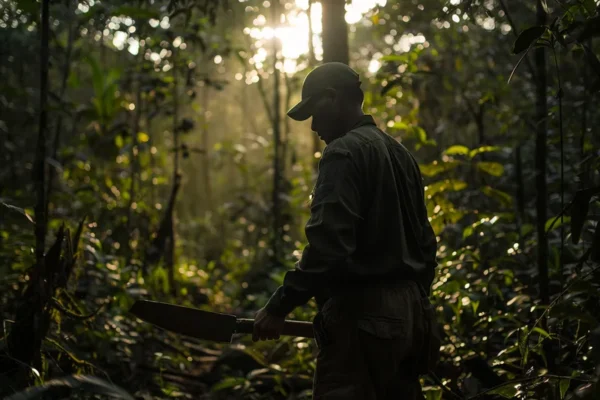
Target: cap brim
{"type": "Point", "coordinates": [301, 111]}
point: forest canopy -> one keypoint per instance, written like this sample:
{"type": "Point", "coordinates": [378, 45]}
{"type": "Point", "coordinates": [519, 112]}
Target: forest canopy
{"type": "Point", "coordinates": [146, 154]}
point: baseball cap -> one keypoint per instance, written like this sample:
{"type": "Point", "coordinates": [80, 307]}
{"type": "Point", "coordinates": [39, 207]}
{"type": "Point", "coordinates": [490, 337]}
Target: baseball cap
{"type": "Point", "coordinates": [328, 75]}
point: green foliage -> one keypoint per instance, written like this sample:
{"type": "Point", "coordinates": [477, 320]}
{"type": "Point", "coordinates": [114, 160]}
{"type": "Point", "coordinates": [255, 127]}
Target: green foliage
{"type": "Point", "coordinates": [64, 386]}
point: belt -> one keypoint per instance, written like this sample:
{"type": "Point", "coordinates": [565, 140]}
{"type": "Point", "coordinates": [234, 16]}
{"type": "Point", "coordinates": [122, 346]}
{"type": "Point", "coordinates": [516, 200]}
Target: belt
{"type": "Point", "coordinates": [348, 288]}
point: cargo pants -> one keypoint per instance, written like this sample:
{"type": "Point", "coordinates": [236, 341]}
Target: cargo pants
{"type": "Point", "coordinates": [368, 342]}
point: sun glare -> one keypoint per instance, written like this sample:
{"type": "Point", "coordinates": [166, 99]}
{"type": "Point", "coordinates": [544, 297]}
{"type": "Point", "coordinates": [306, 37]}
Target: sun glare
{"type": "Point", "coordinates": [294, 34]}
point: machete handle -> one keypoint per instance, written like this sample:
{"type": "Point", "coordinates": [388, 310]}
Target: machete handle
{"type": "Point", "coordinates": [291, 328]}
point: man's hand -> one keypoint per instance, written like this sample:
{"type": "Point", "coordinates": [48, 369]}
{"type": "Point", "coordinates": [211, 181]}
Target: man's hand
{"type": "Point", "coordinates": [267, 326]}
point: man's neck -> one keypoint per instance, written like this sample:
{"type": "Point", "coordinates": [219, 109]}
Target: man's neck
{"type": "Point", "coordinates": [353, 119]}
{"type": "Point", "coordinates": [349, 122]}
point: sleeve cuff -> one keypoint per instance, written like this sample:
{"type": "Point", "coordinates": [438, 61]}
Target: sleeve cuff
{"type": "Point", "coordinates": [277, 304]}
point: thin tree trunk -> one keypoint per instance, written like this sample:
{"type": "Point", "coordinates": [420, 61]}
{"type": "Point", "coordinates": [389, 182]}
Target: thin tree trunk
{"type": "Point", "coordinates": [520, 194]}
{"type": "Point", "coordinates": [170, 254]}
{"type": "Point", "coordinates": [540, 167]}
{"type": "Point", "coordinates": [133, 166]}
{"type": "Point", "coordinates": [584, 111]}
{"type": "Point", "coordinates": [59, 121]}
{"type": "Point", "coordinates": [176, 144]}
{"type": "Point", "coordinates": [40, 157]}
{"type": "Point", "coordinates": [205, 145]}
{"type": "Point", "coordinates": [276, 142]}
{"type": "Point", "coordinates": [312, 60]}
{"type": "Point", "coordinates": [286, 125]}
{"type": "Point", "coordinates": [134, 143]}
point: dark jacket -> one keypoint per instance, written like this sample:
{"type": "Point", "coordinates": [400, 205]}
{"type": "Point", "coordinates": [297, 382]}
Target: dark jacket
{"type": "Point", "coordinates": [368, 221]}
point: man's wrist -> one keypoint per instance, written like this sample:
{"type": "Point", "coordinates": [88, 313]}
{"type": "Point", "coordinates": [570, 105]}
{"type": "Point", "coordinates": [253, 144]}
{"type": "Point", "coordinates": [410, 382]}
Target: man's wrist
{"type": "Point", "coordinates": [277, 306]}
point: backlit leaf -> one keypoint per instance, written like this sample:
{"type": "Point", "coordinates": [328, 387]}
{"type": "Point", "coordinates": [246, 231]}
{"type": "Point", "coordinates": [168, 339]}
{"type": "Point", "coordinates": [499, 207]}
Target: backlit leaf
{"type": "Point", "coordinates": [437, 168]}
{"type": "Point", "coordinates": [457, 149]}
{"type": "Point", "coordinates": [452, 185]}
{"type": "Point", "coordinates": [492, 168]}
{"type": "Point", "coordinates": [483, 149]}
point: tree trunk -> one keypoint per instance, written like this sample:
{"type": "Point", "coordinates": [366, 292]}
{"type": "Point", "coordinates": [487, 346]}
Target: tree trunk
{"type": "Point", "coordinates": [133, 166]}
{"type": "Point", "coordinates": [335, 43]}
{"type": "Point", "coordinates": [63, 88]}
{"type": "Point", "coordinates": [335, 31]}
{"type": "Point", "coordinates": [286, 125]}
{"type": "Point", "coordinates": [540, 168]}
{"type": "Point", "coordinates": [520, 194]}
{"type": "Point", "coordinates": [170, 252]}
{"type": "Point", "coordinates": [312, 60]}
{"type": "Point", "coordinates": [40, 156]}
{"type": "Point", "coordinates": [205, 144]}
{"type": "Point", "coordinates": [276, 142]}
{"type": "Point", "coordinates": [584, 174]}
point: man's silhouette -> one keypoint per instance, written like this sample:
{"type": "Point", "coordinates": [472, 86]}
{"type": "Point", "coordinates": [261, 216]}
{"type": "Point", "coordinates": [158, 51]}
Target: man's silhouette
{"type": "Point", "coordinates": [371, 253]}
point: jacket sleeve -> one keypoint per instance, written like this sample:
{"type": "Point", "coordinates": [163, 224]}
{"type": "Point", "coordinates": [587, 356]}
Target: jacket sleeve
{"type": "Point", "coordinates": [330, 231]}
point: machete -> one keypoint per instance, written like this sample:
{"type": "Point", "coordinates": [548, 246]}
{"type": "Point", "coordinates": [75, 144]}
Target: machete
{"type": "Point", "coordinates": [206, 325]}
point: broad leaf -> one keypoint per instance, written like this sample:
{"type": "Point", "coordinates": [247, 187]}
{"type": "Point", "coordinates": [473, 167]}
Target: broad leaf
{"type": "Point", "coordinates": [228, 383]}
{"type": "Point", "coordinates": [457, 149]}
{"type": "Point", "coordinates": [492, 168]}
{"type": "Point", "coordinates": [590, 6]}
{"type": "Point", "coordinates": [90, 384]}
{"type": "Point", "coordinates": [483, 149]}
{"type": "Point", "coordinates": [541, 332]}
{"type": "Point", "coordinates": [555, 223]}
{"type": "Point", "coordinates": [437, 168]}
{"type": "Point", "coordinates": [503, 197]}
{"type": "Point", "coordinates": [579, 212]}
{"type": "Point", "coordinates": [453, 185]}
{"type": "Point", "coordinates": [527, 38]}
{"type": "Point", "coordinates": [563, 387]}
{"type": "Point", "coordinates": [508, 390]}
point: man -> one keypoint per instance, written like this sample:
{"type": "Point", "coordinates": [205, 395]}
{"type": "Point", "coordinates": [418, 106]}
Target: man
{"type": "Point", "coordinates": [371, 251]}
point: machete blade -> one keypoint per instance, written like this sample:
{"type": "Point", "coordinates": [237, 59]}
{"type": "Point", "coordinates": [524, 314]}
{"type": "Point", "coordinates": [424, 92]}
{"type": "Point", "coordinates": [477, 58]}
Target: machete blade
{"type": "Point", "coordinates": [186, 321]}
